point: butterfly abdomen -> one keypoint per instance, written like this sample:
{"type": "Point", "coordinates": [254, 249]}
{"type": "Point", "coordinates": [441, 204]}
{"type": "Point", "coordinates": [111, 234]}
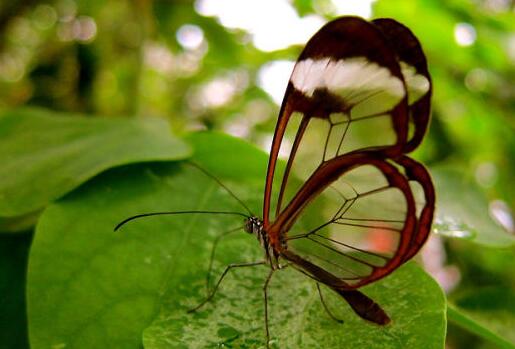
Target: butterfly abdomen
{"type": "Point", "coordinates": [365, 307]}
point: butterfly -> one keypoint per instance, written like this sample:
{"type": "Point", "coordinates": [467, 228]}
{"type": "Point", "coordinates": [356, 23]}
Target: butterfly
{"type": "Point", "coordinates": [358, 100]}
{"type": "Point", "coordinates": [353, 71]}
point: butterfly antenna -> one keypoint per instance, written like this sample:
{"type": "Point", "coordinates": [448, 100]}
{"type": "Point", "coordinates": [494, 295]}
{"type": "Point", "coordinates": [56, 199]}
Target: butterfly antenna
{"type": "Point", "coordinates": [223, 186]}
{"type": "Point", "coordinates": [127, 220]}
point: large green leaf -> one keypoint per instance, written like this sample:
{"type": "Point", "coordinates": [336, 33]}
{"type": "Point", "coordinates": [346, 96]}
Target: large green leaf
{"type": "Point", "coordinates": [462, 210]}
{"type": "Point", "coordinates": [90, 287]}
{"type": "Point", "coordinates": [297, 319]}
{"type": "Point", "coordinates": [44, 155]}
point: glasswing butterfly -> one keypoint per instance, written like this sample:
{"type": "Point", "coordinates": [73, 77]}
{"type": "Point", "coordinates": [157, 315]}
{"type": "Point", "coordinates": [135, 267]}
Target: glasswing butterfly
{"type": "Point", "coordinates": [357, 101]}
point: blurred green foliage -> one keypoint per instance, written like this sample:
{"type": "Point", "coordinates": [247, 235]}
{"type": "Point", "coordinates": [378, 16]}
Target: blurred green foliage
{"type": "Point", "coordinates": [125, 58]}
{"type": "Point", "coordinates": [130, 58]}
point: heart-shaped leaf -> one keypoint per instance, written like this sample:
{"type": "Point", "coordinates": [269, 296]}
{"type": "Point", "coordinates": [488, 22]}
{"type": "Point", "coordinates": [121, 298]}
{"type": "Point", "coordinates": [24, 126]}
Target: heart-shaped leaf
{"type": "Point", "coordinates": [105, 288]}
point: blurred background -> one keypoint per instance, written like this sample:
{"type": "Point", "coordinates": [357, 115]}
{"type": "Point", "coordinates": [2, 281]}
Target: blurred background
{"type": "Point", "coordinates": [224, 64]}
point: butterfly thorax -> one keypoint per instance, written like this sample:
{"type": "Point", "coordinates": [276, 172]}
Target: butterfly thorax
{"type": "Point", "coordinates": [254, 225]}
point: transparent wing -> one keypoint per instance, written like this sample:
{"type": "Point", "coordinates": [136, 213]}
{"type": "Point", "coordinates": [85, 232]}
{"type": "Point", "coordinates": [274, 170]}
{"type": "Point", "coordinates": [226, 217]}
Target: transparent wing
{"type": "Point", "coordinates": [416, 75]}
{"type": "Point", "coordinates": [377, 214]}
{"type": "Point", "coordinates": [346, 93]}
{"type": "Point", "coordinates": [369, 220]}
{"type": "Point", "coordinates": [357, 100]}
{"type": "Point", "coordinates": [340, 96]}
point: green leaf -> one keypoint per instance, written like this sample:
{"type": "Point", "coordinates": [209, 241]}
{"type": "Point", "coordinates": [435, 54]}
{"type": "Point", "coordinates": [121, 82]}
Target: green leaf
{"type": "Point", "coordinates": [105, 288]}
{"type": "Point", "coordinates": [462, 210]}
{"type": "Point", "coordinates": [44, 156]}
{"type": "Point", "coordinates": [490, 314]}
{"type": "Point", "coordinates": [245, 161]}
{"type": "Point", "coordinates": [14, 253]}
{"type": "Point", "coordinates": [297, 319]}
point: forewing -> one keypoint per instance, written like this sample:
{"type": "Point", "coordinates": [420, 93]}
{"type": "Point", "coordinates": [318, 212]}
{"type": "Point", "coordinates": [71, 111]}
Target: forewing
{"type": "Point", "coordinates": [416, 75]}
{"type": "Point", "coordinates": [346, 93]}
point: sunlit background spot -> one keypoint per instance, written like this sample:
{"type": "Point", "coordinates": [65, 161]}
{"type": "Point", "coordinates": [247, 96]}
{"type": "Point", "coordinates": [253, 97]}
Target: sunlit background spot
{"type": "Point", "coordinates": [500, 211]}
{"type": "Point", "coordinates": [273, 78]}
{"type": "Point", "coordinates": [275, 24]}
{"type": "Point", "coordinates": [190, 36]}
{"type": "Point", "coordinates": [464, 34]}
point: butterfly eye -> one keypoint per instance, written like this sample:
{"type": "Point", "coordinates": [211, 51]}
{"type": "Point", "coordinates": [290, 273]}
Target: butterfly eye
{"type": "Point", "coordinates": [248, 226]}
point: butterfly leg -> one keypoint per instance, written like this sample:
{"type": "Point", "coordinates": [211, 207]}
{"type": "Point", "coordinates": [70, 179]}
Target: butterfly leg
{"type": "Point", "coordinates": [213, 250]}
{"type": "Point", "coordinates": [227, 269]}
{"type": "Point", "coordinates": [265, 291]}
{"type": "Point", "coordinates": [331, 315]}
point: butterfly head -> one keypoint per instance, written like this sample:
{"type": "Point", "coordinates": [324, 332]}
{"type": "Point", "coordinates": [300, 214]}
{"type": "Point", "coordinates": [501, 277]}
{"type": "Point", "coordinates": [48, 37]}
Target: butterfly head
{"type": "Point", "coordinates": [254, 225]}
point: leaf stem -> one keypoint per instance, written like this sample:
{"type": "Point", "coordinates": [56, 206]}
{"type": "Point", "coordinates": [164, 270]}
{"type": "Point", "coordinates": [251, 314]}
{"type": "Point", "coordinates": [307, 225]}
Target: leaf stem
{"type": "Point", "coordinates": [460, 319]}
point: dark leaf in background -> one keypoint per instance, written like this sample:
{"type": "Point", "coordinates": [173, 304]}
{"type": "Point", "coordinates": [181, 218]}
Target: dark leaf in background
{"type": "Point", "coordinates": [14, 252]}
